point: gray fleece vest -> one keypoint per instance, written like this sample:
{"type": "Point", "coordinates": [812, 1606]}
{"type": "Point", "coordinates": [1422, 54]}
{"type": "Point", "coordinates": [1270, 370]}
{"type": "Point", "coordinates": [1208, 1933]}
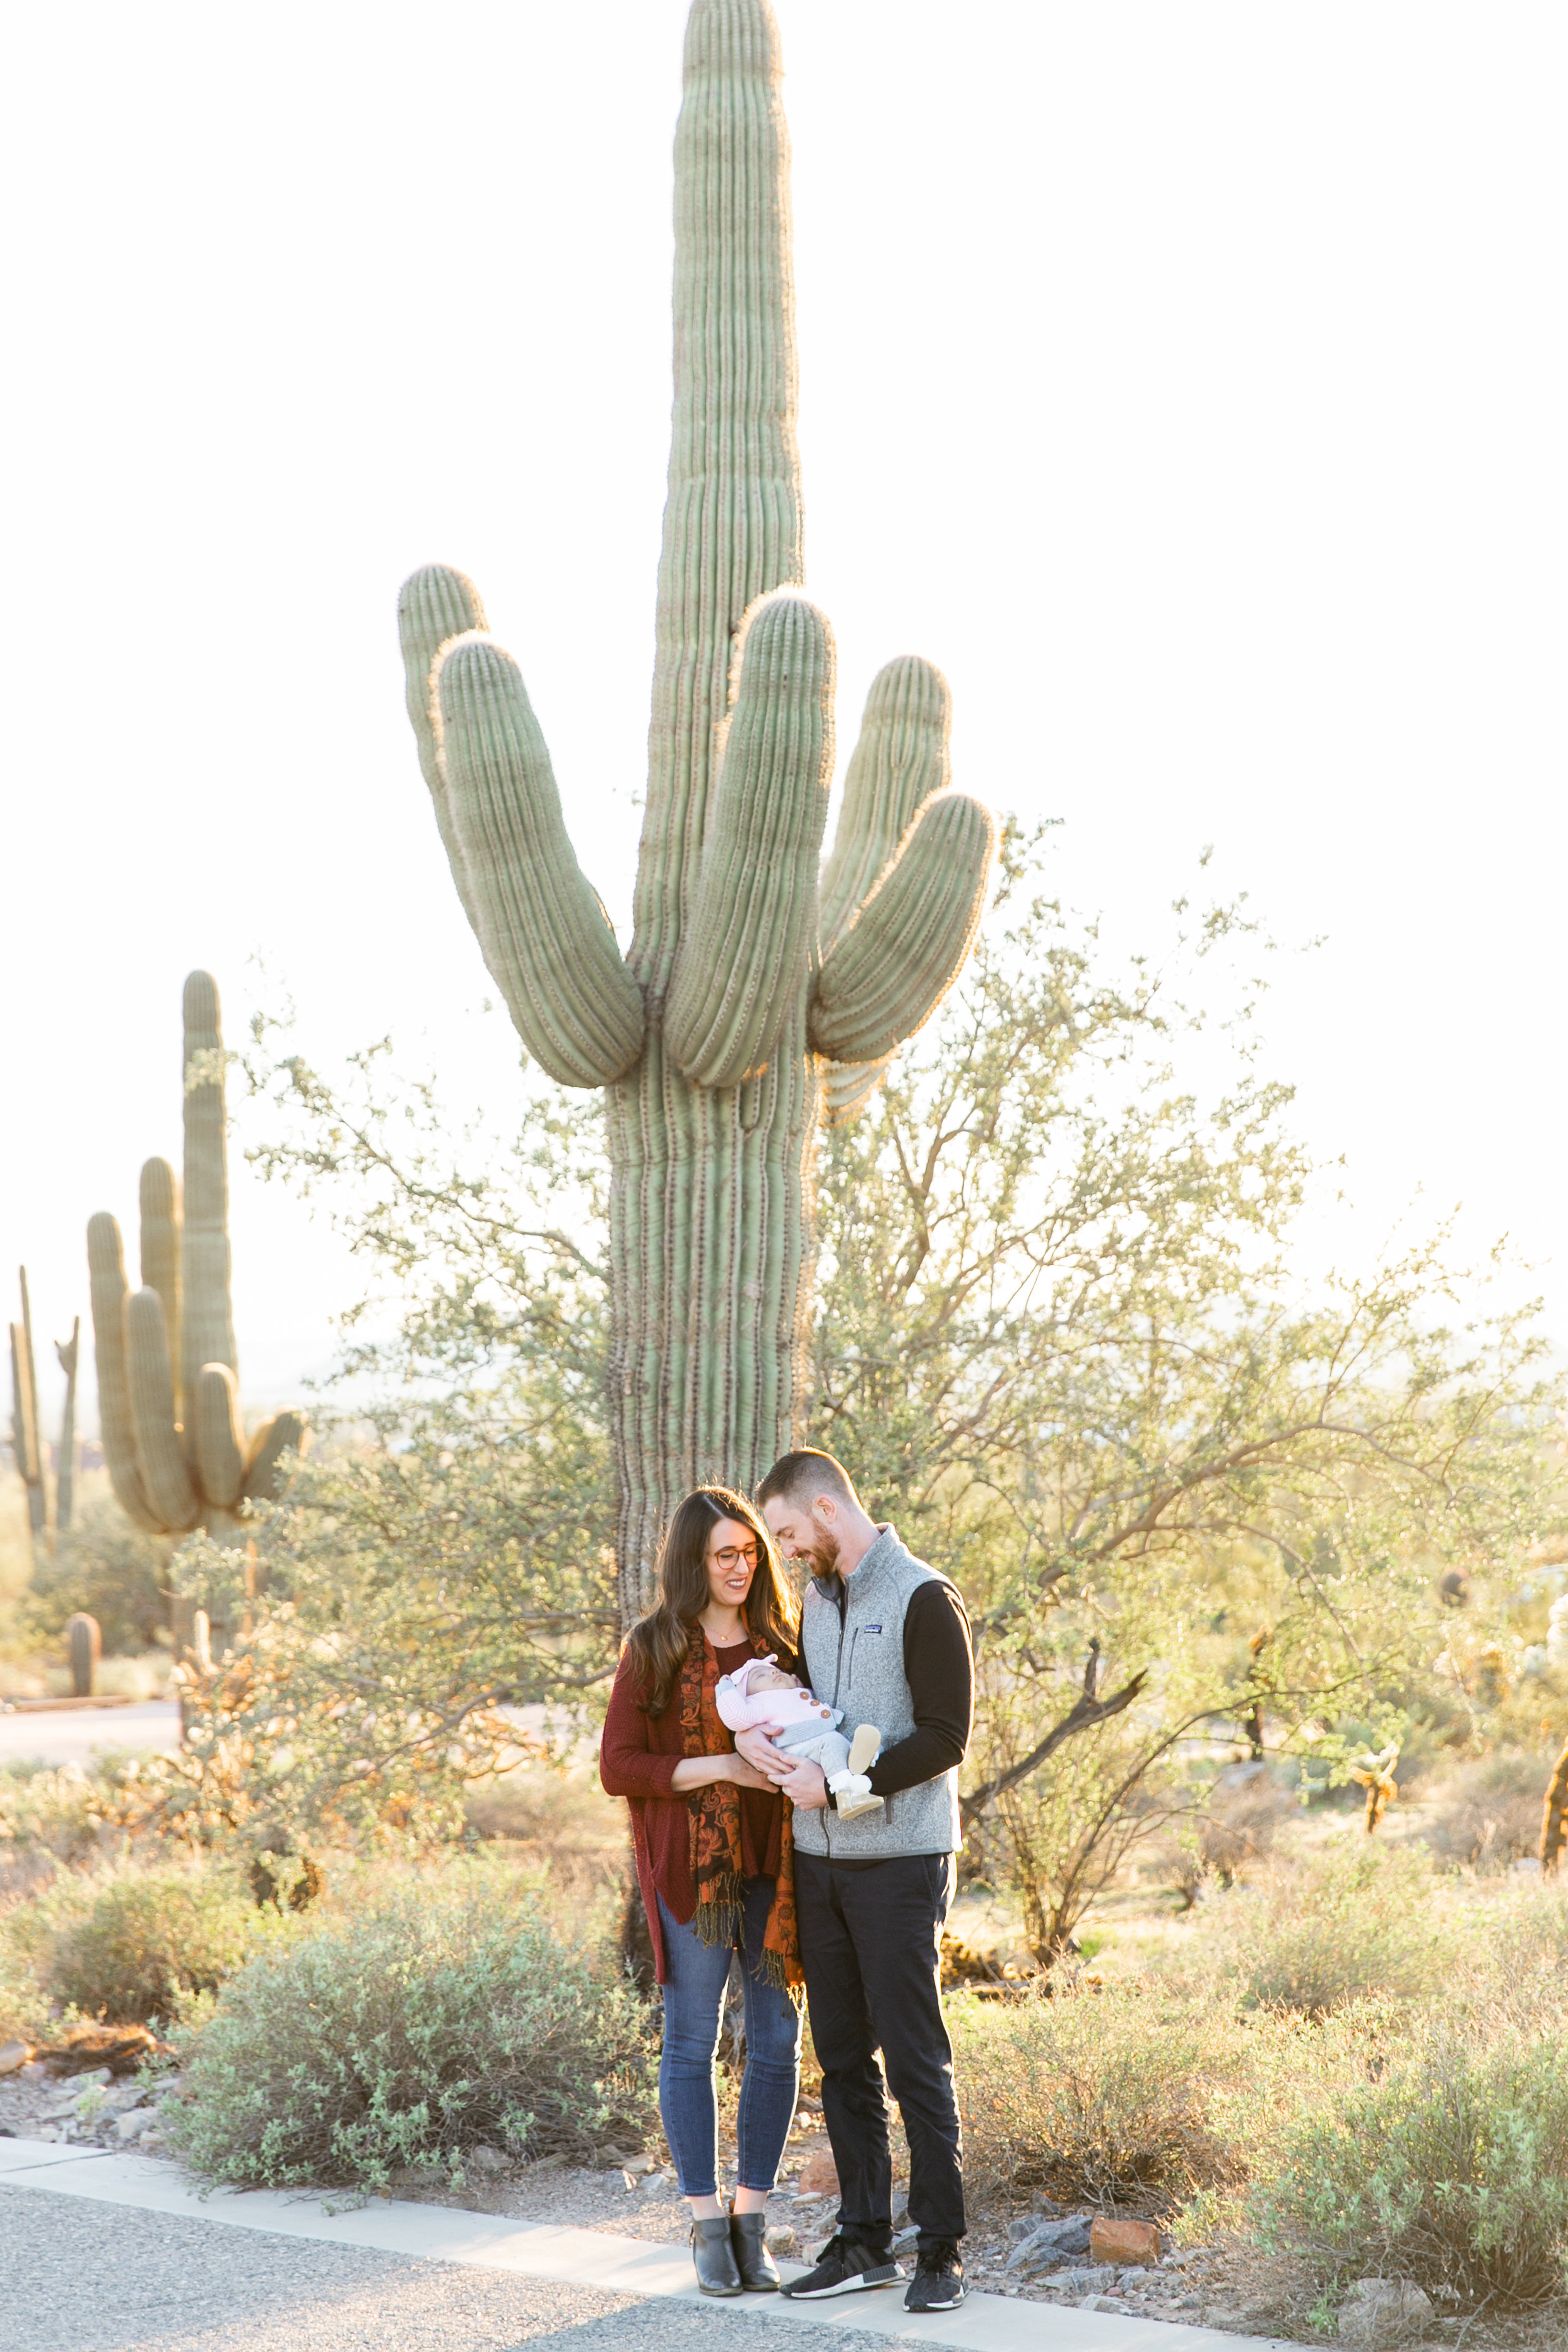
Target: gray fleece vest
{"type": "Point", "coordinates": [857, 1664]}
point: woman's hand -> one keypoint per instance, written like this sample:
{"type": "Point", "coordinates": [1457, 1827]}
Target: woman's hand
{"type": "Point", "coordinates": [701, 1771]}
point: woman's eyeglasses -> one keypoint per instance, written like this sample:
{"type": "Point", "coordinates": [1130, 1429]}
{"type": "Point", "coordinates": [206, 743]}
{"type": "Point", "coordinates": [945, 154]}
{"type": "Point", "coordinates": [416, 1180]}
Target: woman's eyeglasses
{"type": "Point", "coordinates": [733, 1554]}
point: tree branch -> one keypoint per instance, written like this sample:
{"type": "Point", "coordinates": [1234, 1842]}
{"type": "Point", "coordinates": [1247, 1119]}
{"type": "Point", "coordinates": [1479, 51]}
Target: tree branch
{"type": "Point", "coordinates": [1087, 1710]}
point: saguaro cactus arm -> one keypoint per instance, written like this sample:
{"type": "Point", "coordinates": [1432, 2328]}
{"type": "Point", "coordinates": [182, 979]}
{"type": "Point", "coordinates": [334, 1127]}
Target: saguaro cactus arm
{"type": "Point", "coordinates": [106, 1269]}
{"type": "Point", "coordinates": [219, 1449]}
{"type": "Point", "coordinates": [900, 761]}
{"type": "Point", "coordinates": [892, 969]}
{"type": "Point", "coordinates": [747, 950]}
{"type": "Point", "coordinates": [287, 1435]}
{"type": "Point", "coordinates": [152, 1385]}
{"type": "Point", "coordinates": [544, 933]}
{"type": "Point", "coordinates": [162, 1226]}
{"type": "Point", "coordinates": [435, 606]}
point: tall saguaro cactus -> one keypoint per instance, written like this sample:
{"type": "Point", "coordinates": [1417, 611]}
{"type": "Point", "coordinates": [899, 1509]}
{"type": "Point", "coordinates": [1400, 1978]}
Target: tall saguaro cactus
{"type": "Point", "coordinates": [168, 1394]}
{"type": "Point", "coordinates": [748, 982]}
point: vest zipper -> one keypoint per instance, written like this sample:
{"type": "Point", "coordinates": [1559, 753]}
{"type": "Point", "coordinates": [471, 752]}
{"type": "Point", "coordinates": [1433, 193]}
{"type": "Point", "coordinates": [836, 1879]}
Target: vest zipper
{"type": "Point", "coordinates": [842, 1617]}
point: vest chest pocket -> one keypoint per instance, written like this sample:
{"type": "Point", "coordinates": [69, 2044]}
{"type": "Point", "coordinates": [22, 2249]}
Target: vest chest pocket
{"type": "Point", "coordinates": [871, 1634]}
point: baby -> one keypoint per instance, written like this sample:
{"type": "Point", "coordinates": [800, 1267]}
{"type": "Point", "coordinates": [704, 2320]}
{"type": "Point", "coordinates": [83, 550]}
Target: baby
{"type": "Point", "coordinates": [760, 1697]}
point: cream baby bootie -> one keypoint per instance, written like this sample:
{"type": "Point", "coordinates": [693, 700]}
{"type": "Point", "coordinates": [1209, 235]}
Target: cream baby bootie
{"type": "Point", "coordinates": [850, 1786]}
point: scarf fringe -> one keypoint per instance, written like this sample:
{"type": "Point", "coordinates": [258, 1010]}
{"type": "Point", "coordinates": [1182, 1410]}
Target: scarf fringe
{"type": "Point", "coordinates": [719, 1919]}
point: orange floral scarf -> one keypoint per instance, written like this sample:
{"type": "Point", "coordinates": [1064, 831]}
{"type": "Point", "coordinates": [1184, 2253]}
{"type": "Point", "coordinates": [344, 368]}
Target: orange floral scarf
{"type": "Point", "coordinates": [715, 1812]}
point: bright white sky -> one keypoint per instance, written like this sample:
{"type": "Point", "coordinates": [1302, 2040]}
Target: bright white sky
{"type": "Point", "coordinates": [1189, 381]}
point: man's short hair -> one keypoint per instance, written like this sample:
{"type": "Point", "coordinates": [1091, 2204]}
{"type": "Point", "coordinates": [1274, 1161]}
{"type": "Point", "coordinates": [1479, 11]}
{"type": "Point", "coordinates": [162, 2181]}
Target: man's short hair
{"type": "Point", "coordinates": [802, 1477]}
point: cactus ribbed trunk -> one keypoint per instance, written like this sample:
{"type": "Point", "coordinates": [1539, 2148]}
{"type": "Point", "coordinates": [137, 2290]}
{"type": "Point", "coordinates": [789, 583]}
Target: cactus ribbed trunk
{"type": "Point", "coordinates": [712, 1034]}
{"type": "Point", "coordinates": [710, 1220]}
{"type": "Point", "coordinates": [710, 1207]}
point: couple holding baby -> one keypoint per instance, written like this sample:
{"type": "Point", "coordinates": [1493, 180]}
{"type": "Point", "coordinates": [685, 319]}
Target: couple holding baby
{"type": "Point", "coordinates": [792, 1775]}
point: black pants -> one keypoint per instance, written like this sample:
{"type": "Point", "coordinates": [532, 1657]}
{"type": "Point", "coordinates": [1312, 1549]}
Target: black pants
{"type": "Point", "coordinates": [869, 1941]}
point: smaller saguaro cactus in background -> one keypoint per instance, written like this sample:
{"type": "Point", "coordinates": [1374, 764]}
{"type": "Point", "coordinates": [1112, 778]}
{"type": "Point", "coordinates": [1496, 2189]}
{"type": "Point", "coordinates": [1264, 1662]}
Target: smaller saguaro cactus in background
{"type": "Point", "coordinates": [67, 1351]}
{"type": "Point", "coordinates": [85, 1646]}
{"type": "Point", "coordinates": [167, 1389]}
{"type": "Point", "coordinates": [25, 1444]}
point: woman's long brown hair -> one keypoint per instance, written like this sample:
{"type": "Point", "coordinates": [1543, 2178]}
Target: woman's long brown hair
{"type": "Point", "coordinates": [657, 1644]}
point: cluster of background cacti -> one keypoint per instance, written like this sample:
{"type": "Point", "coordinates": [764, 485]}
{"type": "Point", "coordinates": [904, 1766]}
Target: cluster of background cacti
{"type": "Point", "coordinates": [747, 984]}
{"type": "Point", "coordinates": [167, 1387]}
{"type": "Point", "coordinates": [27, 1424]}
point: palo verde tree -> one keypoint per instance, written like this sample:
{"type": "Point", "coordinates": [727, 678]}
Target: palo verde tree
{"type": "Point", "coordinates": [747, 982]}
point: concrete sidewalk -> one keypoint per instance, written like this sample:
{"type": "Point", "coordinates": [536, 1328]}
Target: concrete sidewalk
{"type": "Point", "coordinates": [118, 2253]}
{"type": "Point", "coordinates": [67, 1737]}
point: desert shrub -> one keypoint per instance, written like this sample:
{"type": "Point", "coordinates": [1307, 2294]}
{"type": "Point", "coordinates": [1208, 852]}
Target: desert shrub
{"type": "Point", "coordinates": [1239, 1822]}
{"type": "Point", "coordinates": [137, 1943]}
{"type": "Point", "coordinates": [1361, 1918]}
{"type": "Point", "coordinates": [47, 1817]}
{"type": "Point", "coordinates": [1102, 2099]}
{"type": "Point", "coordinates": [115, 1572]}
{"type": "Point", "coordinates": [1490, 1814]}
{"type": "Point", "coordinates": [408, 2035]}
{"type": "Point", "coordinates": [24, 2004]}
{"type": "Point", "coordinates": [1449, 2168]}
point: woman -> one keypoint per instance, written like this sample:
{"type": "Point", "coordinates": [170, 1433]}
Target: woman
{"type": "Point", "coordinates": [714, 1863]}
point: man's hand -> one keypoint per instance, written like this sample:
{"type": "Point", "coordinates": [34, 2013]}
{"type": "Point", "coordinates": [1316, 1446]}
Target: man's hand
{"type": "Point", "coordinates": [806, 1787]}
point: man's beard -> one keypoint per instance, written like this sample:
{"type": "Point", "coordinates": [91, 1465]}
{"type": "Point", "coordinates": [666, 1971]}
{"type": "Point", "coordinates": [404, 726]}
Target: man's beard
{"type": "Point", "coordinates": [822, 1559]}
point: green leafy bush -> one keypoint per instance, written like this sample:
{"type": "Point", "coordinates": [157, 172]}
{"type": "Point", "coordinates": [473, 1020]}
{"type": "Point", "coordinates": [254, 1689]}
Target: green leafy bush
{"type": "Point", "coordinates": [1450, 2168]}
{"type": "Point", "coordinates": [1360, 1920]}
{"type": "Point", "coordinates": [407, 2035]}
{"type": "Point", "coordinates": [1099, 2099]}
{"type": "Point", "coordinates": [138, 1944]}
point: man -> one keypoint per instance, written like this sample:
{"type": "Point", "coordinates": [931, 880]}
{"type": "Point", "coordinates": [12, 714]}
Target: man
{"type": "Point", "coordinates": [885, 1639]}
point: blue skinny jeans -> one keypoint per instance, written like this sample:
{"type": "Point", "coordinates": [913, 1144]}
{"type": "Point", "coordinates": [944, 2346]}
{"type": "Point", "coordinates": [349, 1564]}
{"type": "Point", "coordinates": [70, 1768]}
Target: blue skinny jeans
{"type": "Point", "coordinates": [696, 1976]}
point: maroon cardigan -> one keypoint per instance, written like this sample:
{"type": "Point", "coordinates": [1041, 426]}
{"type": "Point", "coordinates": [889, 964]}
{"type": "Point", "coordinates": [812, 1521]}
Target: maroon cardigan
{"type": "Point", "coordinates": [637, 1759]}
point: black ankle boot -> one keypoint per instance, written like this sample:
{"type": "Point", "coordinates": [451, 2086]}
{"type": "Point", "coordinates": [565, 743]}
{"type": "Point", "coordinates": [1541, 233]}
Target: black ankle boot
{"type": "Point", "coordinates": [714, 2256]}
{"type": "Point", "coordinates": [758, 2271]}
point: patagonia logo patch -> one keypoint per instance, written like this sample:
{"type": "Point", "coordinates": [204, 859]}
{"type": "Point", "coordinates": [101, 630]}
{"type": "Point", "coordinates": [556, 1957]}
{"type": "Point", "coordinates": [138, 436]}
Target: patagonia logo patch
{"type": "Point", "coordinates": [870, 1629]}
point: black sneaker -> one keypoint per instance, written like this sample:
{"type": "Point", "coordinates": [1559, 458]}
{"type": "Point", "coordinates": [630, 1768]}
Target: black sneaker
{"type": "Point", "coordinates": [938, 2281]}
{"type": "Point", "coordinates": [844, 2267]}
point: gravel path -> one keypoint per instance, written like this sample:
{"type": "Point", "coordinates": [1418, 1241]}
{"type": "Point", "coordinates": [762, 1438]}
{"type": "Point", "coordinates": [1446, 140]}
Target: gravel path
{"type": "Point", "coordinates": [78, 2277]}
